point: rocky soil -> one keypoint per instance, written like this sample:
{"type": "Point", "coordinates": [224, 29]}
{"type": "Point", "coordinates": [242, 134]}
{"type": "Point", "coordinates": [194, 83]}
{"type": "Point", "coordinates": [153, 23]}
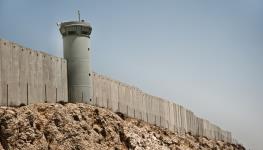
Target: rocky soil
{"type": "Point", "coordinates": [81, 126]}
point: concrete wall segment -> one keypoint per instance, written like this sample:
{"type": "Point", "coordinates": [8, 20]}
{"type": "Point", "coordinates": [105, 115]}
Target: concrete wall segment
{"type": "Point", "coordinates": [24, 74]}
{"type": "Point", "coordinates": [155, 110]}
{"type": "Point", "coordinates": [38, 77]}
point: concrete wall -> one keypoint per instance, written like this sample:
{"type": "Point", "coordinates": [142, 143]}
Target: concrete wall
{"type": "Point", "coordinates": [29, 76]}
{"type": "Point", "coordinates": [129, 100]}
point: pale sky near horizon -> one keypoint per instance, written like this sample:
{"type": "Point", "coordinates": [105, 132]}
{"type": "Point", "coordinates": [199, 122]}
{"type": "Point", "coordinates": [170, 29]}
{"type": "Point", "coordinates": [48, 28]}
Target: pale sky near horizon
{"type": "Point", "coordinates": [205, 55]}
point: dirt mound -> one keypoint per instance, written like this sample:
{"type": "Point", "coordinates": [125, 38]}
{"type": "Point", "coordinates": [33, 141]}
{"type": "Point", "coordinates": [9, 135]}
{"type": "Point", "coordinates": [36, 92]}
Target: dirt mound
{"type": "Point", "coordinates": [81, 126]}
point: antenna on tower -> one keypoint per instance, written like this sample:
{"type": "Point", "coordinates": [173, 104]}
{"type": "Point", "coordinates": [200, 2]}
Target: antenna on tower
{"type": "Point", "coordinates": [79, 15]}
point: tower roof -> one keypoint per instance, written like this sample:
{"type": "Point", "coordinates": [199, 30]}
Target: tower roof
{"type": "Point", "coordinates": [75, 23]}
{"type": "Point", "coordinates": [80, 28]}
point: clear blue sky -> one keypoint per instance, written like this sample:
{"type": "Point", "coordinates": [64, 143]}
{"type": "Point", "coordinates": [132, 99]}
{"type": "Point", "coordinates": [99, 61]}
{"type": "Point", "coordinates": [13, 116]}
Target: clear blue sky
{"type": "Point", "coordinates": [205, 55]}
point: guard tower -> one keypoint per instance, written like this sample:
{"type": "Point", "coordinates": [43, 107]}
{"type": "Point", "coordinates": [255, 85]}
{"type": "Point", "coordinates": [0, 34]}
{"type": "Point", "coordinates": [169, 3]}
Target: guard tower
{"type": "Point", "coordinates": [76, 45]}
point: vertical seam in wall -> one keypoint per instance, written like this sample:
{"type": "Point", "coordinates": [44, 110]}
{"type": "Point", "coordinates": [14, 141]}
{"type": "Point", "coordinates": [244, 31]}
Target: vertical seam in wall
{"type": "Point", "coordinates": [56, 95]}
{"type": "Point", "coordinates": [61, 81]}
{"type": "Point", "coordinates": [118, 98]}
{"type": "Point", "coordinates": [107, 103]}
{"type": "Point", "coordinates": [110, 97]}
{"type": "Point", "coordinates": [93, 85]}
{"type": "Point", "coordinates": [127, 110]}
{"type": "Point", "coordinates": [160, 121]}
{"type": "Point", "coordinates": [82, 97]}
{"type": "Point", "coordinates": [169, 114]}
{"type": "Point", "coordinates": [45, 93]}
{"type": "Point", "coordinates": [6, 94]}
{"type": "Point", "coordinates": [118, 107]}
{"type": "Point", "coordinates": [27, 93]}
{"type": "Point", "coordinates": [68, 90]}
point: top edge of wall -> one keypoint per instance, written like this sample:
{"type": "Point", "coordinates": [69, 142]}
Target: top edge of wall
{"type": "Point", "coordinates": [27, 48]}
{"type": "Point", "coordinates": [156, 97]}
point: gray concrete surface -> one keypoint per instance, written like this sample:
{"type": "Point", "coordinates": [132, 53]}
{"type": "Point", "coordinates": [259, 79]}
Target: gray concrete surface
{"type": "Point", "coordinates": [28, 76]}
{"type": "Point", "coordinates": [121, 97]}
{"type": "Point", "coordinates": [76, 45]}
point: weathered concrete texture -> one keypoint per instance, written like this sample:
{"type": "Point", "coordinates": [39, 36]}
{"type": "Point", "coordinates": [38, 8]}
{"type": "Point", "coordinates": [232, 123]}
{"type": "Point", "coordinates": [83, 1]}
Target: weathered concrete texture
{"type": "Point", "coordinates": [76, 45]}
{"type": "Point", "coordinates": [131, 101]}
{"type": "Point", "coordinates": [28, 76]}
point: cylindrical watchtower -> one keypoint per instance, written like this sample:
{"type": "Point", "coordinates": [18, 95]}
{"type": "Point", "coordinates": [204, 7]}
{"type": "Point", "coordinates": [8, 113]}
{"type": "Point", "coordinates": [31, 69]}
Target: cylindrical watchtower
{"type": "Point", "coordinates": [76, 43]}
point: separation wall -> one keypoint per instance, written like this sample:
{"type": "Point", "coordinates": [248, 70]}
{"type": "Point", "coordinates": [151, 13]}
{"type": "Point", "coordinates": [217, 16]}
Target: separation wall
{"type": "Point", "coordinates": [28, 76]}
{"type": "Point", "coordinates": [129, 100]}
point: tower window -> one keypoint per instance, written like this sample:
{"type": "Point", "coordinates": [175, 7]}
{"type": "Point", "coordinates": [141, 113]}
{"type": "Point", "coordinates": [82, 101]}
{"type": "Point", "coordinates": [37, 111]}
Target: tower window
{"type": "Point", "coordinates": [84, 32]}
{"type": "Point", "coordinates": [71, 32]}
